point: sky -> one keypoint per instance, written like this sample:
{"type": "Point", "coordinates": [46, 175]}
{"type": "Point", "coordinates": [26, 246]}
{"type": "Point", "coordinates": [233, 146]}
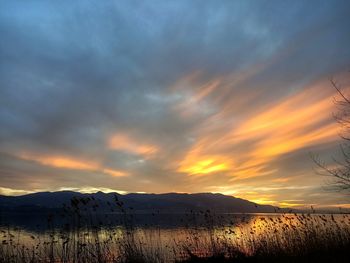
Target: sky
{"type": "Point", "coordinates": [230, 97]}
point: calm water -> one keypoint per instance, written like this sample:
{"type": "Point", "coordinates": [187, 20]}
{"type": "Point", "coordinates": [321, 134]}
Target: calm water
{"type": "Point", "coordinates": [165, 233]}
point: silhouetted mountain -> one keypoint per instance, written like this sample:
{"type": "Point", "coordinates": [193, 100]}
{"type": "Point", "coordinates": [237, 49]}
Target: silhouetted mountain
{"type": "Point", "coordinates": [138, 203]}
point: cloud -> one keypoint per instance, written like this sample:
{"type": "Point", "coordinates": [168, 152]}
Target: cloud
{"type": "Point", "coordinates": [176, 95]}
{"type": "Point", "coordinates": [10, 191]}
{"type": "Point", "coordinates": [59, 162]}
{"type": "Point", "coordinates": [123, 142]}
{"type": "Point", "coordinates": [246, 147]}
{"type": "Point", "coordinates": [64, 162]}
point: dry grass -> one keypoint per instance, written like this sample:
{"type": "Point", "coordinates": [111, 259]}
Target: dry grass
{"type": "Point", "coordinates": [287, 238]}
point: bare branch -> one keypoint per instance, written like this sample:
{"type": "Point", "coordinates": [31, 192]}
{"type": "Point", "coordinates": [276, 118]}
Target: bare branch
{"type": "Point", "coordinates": [339, 171]}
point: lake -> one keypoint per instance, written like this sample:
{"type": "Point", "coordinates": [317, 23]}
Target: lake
{"type": "Point", "coordinates": [165, 237]}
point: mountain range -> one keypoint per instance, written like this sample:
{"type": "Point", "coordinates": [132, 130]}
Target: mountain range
{"type": "Point", "coordinates": [138, 203]}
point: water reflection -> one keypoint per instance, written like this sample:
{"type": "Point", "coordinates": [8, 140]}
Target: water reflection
{"type": "Point", "coordinates": [167, 236]}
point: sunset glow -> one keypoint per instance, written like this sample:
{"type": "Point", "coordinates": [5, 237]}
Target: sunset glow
{"type": "Point", "coordinates": [59, 162]}
{"type": "Point", "coordinates": [189, 97]}
{"type": "Point", "coordinates": [124, 143]}
{"type": "Point", "coordinates": [70, 163]}
{"type": "Point", "coordinates": [204, 167]}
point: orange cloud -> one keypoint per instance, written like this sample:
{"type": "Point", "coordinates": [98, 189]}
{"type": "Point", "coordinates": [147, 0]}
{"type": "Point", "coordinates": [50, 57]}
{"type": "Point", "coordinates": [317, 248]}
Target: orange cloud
{"type": "Point", "coordinates": [114, 172]}
{"type": "Point", "coordinates": [66, 162]}
{"type": "Point", "coordinates": [198, 161]}
{"type": "Point", "coordinates": [245, 149]}
{"type": "Point", "coordinates": [206, 165]}
{"type": "Point", "coordinates": [125, 143]}
{"type": "Point", "coordinates": [59, 161]}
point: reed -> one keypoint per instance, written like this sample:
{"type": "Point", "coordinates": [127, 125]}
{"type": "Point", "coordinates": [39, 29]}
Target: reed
{"type": "Point", "coordinates": [90, 237]}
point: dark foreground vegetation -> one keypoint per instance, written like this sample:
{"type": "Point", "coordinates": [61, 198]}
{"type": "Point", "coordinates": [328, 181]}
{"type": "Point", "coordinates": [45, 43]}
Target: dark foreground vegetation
{"type": "Point", "coordinates": [88, 237]}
